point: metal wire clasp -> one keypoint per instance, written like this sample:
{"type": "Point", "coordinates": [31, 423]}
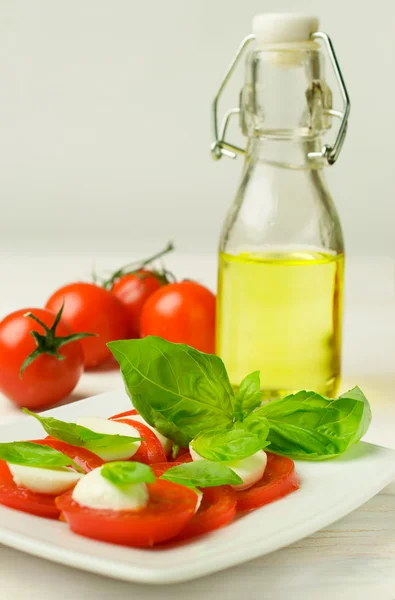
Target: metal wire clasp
{"type": "Point", "coordinates": [331, 153]}
{"type": "Point", "coordinates": [220, 147]}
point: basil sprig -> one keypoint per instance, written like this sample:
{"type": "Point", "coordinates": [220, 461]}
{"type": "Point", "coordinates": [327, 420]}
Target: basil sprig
{"type": "Point", "coordinates": [174, 387]}
{"type": "Point", "coordinates": [29, 454]}
{"type": "Point", "coordinates": [309, 426]}
{"type": "Point", "coordinates": [77, 435]}
{"type": "Point", "coordinates": [187, 396]}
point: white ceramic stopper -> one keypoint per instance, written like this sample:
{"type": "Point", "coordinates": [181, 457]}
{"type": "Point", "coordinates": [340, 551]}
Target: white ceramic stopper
{"type": "Point", "coordinates": [283, 28]}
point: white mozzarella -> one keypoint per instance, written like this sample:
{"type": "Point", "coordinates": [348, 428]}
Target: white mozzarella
{"type": "Point", "coordinates": [94, 491]}
{"type": "Point", "coordinates": [250, 469]}
{"type": "Point", "coordinates": [112, 428]}
{"type": "Point", "coordinates": [44, 481]}
{"type": "Point", "coordinates": [166, 443]}
{"type": "Point", "coordinates": [199, 499]}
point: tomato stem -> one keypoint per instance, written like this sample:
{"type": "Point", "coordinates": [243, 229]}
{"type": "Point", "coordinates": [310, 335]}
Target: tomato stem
{"type": "Point", "coordinates": [49, 343]}
{"type": "Point", "coordinates": [133, 269]}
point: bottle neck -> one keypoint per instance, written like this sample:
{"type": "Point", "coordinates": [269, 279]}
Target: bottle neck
{"type": "Point", "coordinates": [287, 153]}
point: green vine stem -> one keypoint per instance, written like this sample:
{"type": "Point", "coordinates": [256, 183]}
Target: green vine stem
{"type": "Point", "coordinates": [134, 268]}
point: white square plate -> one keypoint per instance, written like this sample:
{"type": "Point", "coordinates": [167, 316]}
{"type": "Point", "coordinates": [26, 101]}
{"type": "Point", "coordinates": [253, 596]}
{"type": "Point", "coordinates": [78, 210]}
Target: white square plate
{"type": "Point", "coordinates": [329, 490]}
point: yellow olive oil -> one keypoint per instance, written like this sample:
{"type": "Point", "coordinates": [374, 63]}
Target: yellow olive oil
{"type": "Point", "coordinates": [280, 313]}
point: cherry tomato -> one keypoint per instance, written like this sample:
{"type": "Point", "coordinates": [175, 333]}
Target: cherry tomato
{"type": "Point", "coordinates": [47, 379]}
{"type": "Point", "coordinates": [133, 290]}
{"type": "Point", "coordinates": [134, 283]}
{"type": "Point", "coordinates": [42, 505]}
{"type": "Point", "coordinates": [181, 312]}
{"type": "Point", "coordinates": [279, 479]}
{"type": "Point", "coordinates": [169, 508]}
{"type": "Point", "coordinates": [88, 307]}
{"type": "Point", "coordinates": [150, 450]}
{"type": "Point", "coordinates": [218, 507]}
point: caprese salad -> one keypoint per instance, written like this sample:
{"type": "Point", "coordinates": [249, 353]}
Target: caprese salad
{"type": "Point", "coordinates": [190, 455]}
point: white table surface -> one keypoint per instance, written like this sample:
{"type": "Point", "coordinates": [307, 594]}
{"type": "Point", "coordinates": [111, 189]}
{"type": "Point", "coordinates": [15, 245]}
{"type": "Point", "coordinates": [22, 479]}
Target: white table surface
{"type": "Point", "coordinates": [354, 558]}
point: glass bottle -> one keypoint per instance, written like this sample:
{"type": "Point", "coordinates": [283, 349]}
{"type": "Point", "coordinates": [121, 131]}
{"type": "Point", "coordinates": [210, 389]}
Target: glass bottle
{"type": "Point", "coordinates": [281, 255]}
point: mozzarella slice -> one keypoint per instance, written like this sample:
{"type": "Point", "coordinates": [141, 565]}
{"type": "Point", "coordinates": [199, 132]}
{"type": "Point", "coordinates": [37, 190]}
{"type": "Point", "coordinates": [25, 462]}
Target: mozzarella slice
{"type": "Point", "coordinates": [199, 500]}
{"type": "Point", "coordinates": [250, 469]}
{"type": "Point", "coordinates": [166, 443]}
{"type": "Point", "coordinates": [44, 481]}
{"type": "Point", "coordinates": [112, 428]}
{"type": "Point", "coordinates": [94, 491]}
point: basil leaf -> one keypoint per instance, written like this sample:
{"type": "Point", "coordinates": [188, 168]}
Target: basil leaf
{"type": "Point", "coordinates": [77, 435]}
{"type": "Point", "coordinates": [229, 445]}
{"type": "Point", "coordinates": [127, 473]}
{"type": "Point", "coordinates": [248, 396]}
{"type": "Point", "coordinates": [174, 387]}
{"type": "Point", "coordinates": [202, 473]}
{"type": "Point", "coordinates": [309, 426]}
{"type": "Point", "coordinates": [35, 455]}
{"type": "Point", "coordinates": [255, 424]}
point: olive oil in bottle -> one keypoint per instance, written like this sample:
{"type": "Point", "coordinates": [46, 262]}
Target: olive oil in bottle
{"type": "Point", "coordinates": [280, 314]}
{"type": "Point", "coordinates": [281, 252]}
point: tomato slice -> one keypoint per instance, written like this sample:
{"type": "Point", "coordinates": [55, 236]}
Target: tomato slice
{"type": "Point", "coordinates": [150, 450]}
{"type": "Point", "coordinates": [184, 457]}
{"type": "Point", "coordinates": [42, 505]}
{"type": "Point", "coordinates": [19, 498]}
{"type": "Point", "coordinates": [85, 459]}
{"type": "Point", "coordinates": [128, 413]}
{"type": "Point", "coordinates": [279, 479]}
{"type": "Point", "coordinates": [218, 507]}
{"type": "Point", "coordinates": [169, 509]}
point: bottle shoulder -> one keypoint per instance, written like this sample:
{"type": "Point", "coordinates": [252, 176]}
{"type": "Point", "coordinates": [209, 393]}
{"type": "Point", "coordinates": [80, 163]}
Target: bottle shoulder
{"type": "Point", "coordinates": [276, 206]}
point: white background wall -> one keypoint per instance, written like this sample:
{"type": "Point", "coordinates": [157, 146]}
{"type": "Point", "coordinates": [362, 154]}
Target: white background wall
{"type": "Point", "coordinates": [104, 121]}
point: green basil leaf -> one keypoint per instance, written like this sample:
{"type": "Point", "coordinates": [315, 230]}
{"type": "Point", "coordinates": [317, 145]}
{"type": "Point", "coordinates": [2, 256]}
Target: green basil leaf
{"type": "Point", "coordinates": [229, 445]}
{"type": "Point", "coordinates": [309, 426]}
{"type": "Point", "coordinates": [126, 473]}
{"type": "Point", "coordinates": [255, 424]}
{"type": "Point", "coordinates": [174, 387]}
{"type": "Point", "coordinates": [201, 474]}
{"type": "Point", "coordinates": [248, 396]}
{"type": "Point", "coordinates": [35, 455]}
{"type": "Point", "coordinates": [77, 435]}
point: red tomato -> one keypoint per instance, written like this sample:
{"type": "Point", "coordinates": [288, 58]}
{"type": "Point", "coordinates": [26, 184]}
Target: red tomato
{"type": "Point", "coordinates": [47, 379]}
{"type": "Point", "coordinates": [88, 307]}
{"type": "Point", "coordinates": [184, 456]}
{"type": "Point", "coordinates": [217, 509]}
{"type": "Point", "coordinates": [81, 456]}
{"type": "Point", "coordinates": [169, 509]}
{"type": "Point", "coordinates": [279, 479]}
{"type": "Point", "coordinates": [150, 450]}
{"type": "Point", "coordinates": [133, 290]}
{"type": "Point", "coordinates": [127, 413]}
{"type": "Point", "coordinates": [181, 312]}
{"type": "Point", "coordinates": [42, 505]}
